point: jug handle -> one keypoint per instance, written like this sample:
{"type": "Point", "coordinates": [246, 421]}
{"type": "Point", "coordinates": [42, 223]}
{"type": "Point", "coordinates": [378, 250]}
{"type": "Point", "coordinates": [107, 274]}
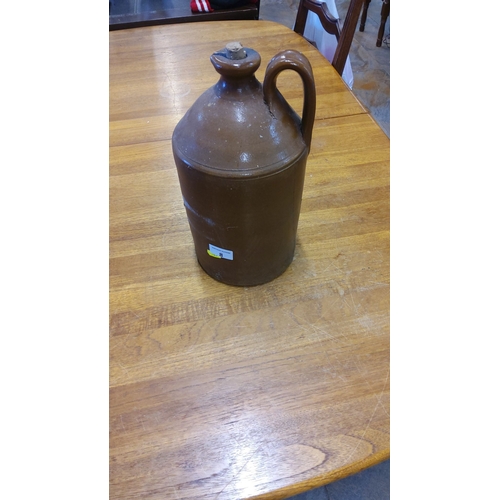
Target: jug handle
{"type": "Point", "coordinates": [292, 59]}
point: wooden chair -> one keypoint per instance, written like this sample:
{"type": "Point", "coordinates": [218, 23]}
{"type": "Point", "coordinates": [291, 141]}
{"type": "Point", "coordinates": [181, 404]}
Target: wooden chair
{"type": "Point", "coordinates": [331, 25]}
{"type": "Point", "coordinates": [179, 12]}
{"type": "Point", "coordinates": [384, 14]}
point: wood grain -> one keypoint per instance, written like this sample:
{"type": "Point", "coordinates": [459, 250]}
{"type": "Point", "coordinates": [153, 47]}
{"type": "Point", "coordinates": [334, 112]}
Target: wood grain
{"type": "Point", "coordinates": [226, 392]}
{"type": "Point", "coordinates": [157, 73]}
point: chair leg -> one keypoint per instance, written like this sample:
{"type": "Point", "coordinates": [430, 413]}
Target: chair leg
{"type": "Point", "coordinates": [363, 15]}
{"type": "Point", "coordinates": [384, 14]}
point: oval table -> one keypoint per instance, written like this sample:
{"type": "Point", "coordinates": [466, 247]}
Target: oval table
{"type": "Point", "coordinates": [221, 392]}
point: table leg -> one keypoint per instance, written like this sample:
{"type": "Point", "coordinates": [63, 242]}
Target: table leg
{"type": "Point", "coordinates": [384, 14]}
{"type": "Point", "coordinates": [363, 15]}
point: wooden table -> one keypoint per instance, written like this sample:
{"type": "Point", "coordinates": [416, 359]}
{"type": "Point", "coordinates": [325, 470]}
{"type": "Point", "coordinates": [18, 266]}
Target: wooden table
{"type": "Point", "coordinates": [221, 392]}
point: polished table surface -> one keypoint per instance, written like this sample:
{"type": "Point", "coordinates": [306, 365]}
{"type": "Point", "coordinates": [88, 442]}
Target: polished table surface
{"type": "Point", "coordinates": [223, 392]}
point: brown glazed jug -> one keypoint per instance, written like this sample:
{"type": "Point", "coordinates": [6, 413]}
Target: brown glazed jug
{"type": "Point", "coordinates": [240, 153]}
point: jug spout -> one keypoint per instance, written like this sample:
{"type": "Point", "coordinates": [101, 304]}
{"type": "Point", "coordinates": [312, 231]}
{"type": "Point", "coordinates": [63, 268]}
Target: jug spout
{"type": "Point", "coordinates": [235, 61]}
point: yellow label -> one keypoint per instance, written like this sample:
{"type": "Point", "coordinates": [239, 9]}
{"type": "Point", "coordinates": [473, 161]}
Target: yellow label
{"type": "Point", "coordinates": [213, 255]}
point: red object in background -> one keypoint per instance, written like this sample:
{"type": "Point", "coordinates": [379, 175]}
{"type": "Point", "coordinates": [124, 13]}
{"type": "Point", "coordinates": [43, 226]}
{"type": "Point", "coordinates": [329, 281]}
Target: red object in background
{"type": "Point", "coordinates": [204, 5]}
{"type": "Point", "coordinates": [201, 6]}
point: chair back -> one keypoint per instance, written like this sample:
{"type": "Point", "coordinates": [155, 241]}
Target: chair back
{"type": "Point", "coordinates": [331, 25]}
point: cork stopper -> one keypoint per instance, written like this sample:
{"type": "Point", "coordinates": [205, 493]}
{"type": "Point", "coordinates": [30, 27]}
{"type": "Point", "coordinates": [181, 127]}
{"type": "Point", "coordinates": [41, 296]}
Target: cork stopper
{"type": "Point", "coordinates": [234, 50]}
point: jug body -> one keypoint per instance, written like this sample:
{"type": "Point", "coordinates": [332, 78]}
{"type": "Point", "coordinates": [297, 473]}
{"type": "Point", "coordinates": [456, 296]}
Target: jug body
{"type": "Point", "coordinates": [241, 153]}
{"type": "Point", "coordinates": [244, 230]}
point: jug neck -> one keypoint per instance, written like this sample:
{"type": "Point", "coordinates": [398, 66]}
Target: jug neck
{"type": "Point", "coordinates": [237, 66]}
{"type": "Point", "coordinates": [237, 88]}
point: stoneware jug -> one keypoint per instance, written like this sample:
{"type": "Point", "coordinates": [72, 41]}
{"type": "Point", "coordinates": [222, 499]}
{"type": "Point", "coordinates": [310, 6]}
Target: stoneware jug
{"type": "Point", "coordinates": [240, 153]}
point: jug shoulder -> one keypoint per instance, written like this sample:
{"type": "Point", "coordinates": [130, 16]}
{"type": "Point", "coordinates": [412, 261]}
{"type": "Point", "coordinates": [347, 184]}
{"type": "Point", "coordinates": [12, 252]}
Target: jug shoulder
{"type": "Point", "coordinates": [236, 134]}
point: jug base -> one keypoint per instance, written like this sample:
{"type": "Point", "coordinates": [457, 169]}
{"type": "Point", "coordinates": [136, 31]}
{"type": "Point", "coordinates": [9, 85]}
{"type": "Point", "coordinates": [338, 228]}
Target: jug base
{"type": "Point", "coordinates": [256, 281]}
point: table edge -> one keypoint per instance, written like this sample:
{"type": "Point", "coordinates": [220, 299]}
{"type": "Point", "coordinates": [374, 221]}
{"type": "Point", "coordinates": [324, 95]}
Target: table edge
{"type": "Point", "coordinates": [325, 478]}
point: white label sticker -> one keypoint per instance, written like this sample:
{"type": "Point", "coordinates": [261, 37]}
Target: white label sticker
{"type": "Point", "coordinates": [220, 253]}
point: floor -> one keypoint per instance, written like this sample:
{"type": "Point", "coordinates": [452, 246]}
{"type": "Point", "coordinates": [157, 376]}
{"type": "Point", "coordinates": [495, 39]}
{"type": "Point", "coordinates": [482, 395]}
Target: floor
{"type": "Point", "coordinates": [370, 64]}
